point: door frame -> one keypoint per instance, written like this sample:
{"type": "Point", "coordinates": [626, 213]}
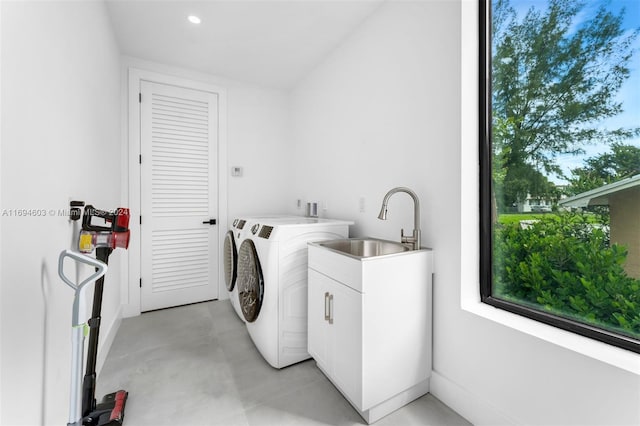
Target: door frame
{"type": "Point", "coordinates": [131, 297]}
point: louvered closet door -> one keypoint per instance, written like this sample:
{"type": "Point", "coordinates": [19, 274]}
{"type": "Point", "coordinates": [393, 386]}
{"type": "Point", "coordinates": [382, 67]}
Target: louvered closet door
{"type": "Point", "coordinates": [179, 135]}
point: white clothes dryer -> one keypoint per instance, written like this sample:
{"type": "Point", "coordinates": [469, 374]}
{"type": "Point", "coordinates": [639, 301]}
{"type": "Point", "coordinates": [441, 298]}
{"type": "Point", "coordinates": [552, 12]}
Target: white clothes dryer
{"type": "Point", "coordinates": [239, 231]}
{"type": "Point", "coordinates": [272, 283]}
{"type": "Point", "coordinates": [232, 241]}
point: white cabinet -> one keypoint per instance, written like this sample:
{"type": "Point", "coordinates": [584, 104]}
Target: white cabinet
{"type": "Point", "coordinates": [335, 333]}
{"type": "Point", "coordinates": [369, 326]}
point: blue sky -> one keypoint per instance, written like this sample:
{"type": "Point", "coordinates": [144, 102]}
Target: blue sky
{"type": "Point", "coordinates": [629, 95]}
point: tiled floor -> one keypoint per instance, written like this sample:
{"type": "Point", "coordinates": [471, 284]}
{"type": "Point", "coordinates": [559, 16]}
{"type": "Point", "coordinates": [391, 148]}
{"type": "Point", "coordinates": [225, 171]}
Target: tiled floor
{"type": "Point", "coordinates": [196, 365]}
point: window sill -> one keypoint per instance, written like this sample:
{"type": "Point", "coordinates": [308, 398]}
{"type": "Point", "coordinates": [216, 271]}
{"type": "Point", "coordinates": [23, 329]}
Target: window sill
{"type": "Point", "coordinates": [594, 349]}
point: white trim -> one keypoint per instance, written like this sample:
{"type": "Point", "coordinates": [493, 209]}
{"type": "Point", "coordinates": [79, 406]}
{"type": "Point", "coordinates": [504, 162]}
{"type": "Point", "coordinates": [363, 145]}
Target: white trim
{"type": "Point", "coordinates": [131, 298]}
{"type": "Point", "coordinates": [469, 405]}
{"type": "Point", "coordinates": [469, 235]}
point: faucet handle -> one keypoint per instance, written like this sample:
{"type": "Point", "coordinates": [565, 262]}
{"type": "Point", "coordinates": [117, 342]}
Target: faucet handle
{"type": "Point", "coordinates": [406, 239]}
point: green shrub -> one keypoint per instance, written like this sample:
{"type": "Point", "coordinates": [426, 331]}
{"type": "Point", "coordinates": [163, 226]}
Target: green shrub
{"type": "Point", "coordinates": [565, 265]}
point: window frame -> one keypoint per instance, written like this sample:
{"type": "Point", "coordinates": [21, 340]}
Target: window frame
{"type": "Point", "coordinates": [486, 208]}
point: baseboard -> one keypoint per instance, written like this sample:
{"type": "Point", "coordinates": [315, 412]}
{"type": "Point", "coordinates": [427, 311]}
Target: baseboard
{"type": "Point", "coordinates": [470, 406]}
{"type": "Point", "coordinates": [129, 310]}
{"type": "Point", "coordinates": [109, 334]}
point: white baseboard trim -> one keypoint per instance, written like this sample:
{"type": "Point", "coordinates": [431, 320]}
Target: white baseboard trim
{"type": "Point", "coordinates": [468, 405]}
{"type": "Point", "coordinates": [129, 310]}
{"type": "Point", "coordinates": [109, 334]}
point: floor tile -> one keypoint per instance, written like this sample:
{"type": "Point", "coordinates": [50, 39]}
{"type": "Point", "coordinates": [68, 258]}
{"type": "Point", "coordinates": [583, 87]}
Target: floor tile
{"type": "Point", "coordinates": [196, 365]}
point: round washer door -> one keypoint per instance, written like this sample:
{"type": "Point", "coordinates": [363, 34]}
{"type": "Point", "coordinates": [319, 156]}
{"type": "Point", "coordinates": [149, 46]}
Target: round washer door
{"type": "Point", "coordinates": [230, 260]}
{"type": "Point", "coordinates": [250, 281]}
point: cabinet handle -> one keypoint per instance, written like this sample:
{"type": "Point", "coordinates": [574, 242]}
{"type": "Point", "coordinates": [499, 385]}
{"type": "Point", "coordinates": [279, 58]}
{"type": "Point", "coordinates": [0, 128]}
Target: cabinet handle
{"type": "Point", "coordinates": [326, 306]}
{"type": "Point", "coordinates": [331, 309]}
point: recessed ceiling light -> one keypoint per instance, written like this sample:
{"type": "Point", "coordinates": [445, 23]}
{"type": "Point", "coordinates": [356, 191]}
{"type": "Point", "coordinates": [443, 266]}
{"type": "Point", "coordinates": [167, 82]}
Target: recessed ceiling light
{"type": "Point", "coordinates": [194, 19]}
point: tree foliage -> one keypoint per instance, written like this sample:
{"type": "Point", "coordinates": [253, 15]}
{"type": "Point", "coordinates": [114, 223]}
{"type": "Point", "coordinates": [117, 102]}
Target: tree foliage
{"type": "Point", "coordinates": [623, 161]}
{"type": "Point", "coordinates": [566, 265]}
{"type": "Point", "coordinates": [554, 78]}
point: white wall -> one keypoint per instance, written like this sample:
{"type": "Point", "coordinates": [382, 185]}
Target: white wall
{"type": "Point", "coordinates": [60, 141]}
{"type": "Point", "coordinates": [381, 112]}
{"type": "Point", "coordinates": [385, 110]}
{"type": "Point", "coordinates": [258, 141]}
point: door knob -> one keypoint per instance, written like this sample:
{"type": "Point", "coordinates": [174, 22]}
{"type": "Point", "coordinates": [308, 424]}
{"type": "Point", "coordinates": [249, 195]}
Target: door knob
{"type": "Point", "coordinates": [209, 222]}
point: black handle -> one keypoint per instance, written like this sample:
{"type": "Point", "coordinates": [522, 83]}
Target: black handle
{"type": "Point", "coordinates": [209, 222]}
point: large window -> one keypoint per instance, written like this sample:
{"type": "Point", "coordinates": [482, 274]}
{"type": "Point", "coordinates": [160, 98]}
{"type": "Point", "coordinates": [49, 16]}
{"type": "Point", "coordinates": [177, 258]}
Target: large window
{"type": "Point", "coordinates": [560, 164]}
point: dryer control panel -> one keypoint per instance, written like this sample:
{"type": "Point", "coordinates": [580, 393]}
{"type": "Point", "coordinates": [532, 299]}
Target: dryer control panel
{"type": "Point", "coordinates": [265, 232]}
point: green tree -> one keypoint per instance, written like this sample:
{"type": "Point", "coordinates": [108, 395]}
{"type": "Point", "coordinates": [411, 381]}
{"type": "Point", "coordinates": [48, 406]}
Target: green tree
{"type": "Point", "coordinates": [623, 161]}
{"type": "Point", "coordinates": [554, 79]}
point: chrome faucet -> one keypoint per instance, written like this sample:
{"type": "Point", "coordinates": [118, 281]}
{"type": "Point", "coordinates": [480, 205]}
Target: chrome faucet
{"type": "Point", "coordinates": [414, 240]}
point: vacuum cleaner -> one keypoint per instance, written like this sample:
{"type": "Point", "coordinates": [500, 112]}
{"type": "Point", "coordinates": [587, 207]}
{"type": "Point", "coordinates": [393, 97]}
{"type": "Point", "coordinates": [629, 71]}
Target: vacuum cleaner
{"type": "Point", "coordinates": [112, 232]}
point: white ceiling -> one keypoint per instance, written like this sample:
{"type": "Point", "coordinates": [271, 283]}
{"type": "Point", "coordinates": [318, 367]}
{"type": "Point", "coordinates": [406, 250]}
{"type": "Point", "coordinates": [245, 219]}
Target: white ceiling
{"type": "Point", "coordinates": [265, 42]}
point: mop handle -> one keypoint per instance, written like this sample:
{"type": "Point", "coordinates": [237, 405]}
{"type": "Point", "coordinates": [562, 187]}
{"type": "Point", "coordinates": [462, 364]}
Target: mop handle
{"type": "Point", "coordinates": [101, 267]}
{"type": "Point", "coordinates": [78, 329]}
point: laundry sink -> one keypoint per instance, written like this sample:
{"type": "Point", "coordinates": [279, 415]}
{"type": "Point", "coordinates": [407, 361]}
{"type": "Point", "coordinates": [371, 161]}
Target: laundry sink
{"type": "Point", "coordinates": [365, 247]}
{"type": "Point", "coordinates": [362, 262]}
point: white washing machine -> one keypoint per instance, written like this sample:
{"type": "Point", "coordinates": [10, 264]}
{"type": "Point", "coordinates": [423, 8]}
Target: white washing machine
{"type": "Point", "coordinates": [240, 229]}
{"type": "Point", "coordinates": [272, 283]}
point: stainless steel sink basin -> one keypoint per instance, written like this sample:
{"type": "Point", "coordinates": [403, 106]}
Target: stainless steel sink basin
{"type": "Point", "coordinates": [364, 247]}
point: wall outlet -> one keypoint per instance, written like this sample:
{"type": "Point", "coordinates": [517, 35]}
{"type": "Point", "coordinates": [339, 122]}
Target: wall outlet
{"type": "Point", "coordinates": [361, 204]}
{"type": "Point", "coordinates": [236, 171]}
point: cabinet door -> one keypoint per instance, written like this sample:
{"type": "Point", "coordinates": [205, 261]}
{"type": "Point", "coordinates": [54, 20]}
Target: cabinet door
{"type": "Point", "coordinates": [346, 358]}
{"type": "Point", "coordinates": [317, 326]}
{"type": "Point", "coordinates": [335, 332]}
